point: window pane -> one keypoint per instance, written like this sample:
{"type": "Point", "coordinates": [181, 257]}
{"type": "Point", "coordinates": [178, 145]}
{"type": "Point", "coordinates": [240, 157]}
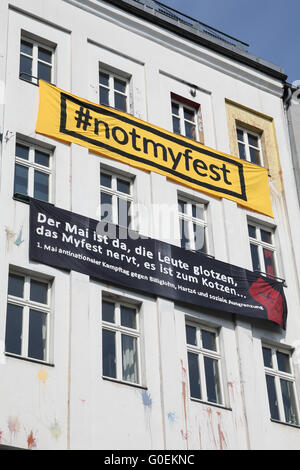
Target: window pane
{"type": "Point", "coordinates": [212, 380]}
{"type": "Point", "coordinates": [128, 317]}
{"type": "Point", "coordinates": [283, 362]}
{"type": "Point", "coordinates": [44, 71]}
{"type": "Point", "coordinates": [273, 403]}
{"type": "Point", "coordinates": [255, 258]}
{"type": "Point", "coordinates": [208, 340]}
{"type": "Point", "coordinates": [37, 335]}
{"type": "Point", "coordinates": [266, 236]}
{"type": "Point", "coordinates": [26, 47]}
{"type": "Point", "coordinates": [104, 96]}
{"type": "Point", "coordinates": [105, 180]}
{"type": "Point", "coordinates": [190, 130]}
{"type": "Point", "coordinates": [108, 312]}
{"type": "Point", "coordinates": [240, 135]}
{"type": "Point", "coordinates": [242, 151]}
{"type": "Point", "coordinates": [189, 114]}
{"type": "Point", "coordinates": [252, 231]}
{"type": "Point", "coordinates": [41, 186]}
{"type": "Point", "coordinates": [199, 238]}
{"type": "Point", "coordinates": [176, 125]}
{"type": "Point", "coordinates": [254, 156]}
{"type": "Point", "coordinates": [39, 292]}
{"type": "Point", "coordinates": [21, 180]}
{"type": "Point", "coordinates": [253, 140]}
{"type": "Point", "coordinates": [120, 85]}
{"type": "Point", "coordinates": [123, 186]}
{"type": "Point", "coordinates": [42, 158]}
{"type": "Point", "coordinates": [108, 354]}
{"type": "Point", "coordinates": [106, 207]}
{"type": "Point", "coordinates": [13, 337]}
{"type": "Point", "coordinates": [191, 337]}
{"type": "Point", "coordinates": [198, 211]}
{"type": "Point", "coordinates": [194, 375]}
{"type": "Point", "coordinates": [104, 78]}
{"type": "Point", "coordinates": [124, 218]}
{"type": "Point", "coordinates": [45, 55]}
{"type": "Point", "coordinates": [16, 285]}
{"type": "Point", "coordinates": [120, 102]}
{"type": "Point", "coordinates": [175, 108]}
{"type": "Point", "coordinates": [184, 234]}
{"type": "Point", "coordinates": [289, 404]}
{"type": "Point", "coordinates": [22, 151]}
{"type": "Point", "coordinates": [25, 67]}
{"type": "Point", "coordinates": [267, 355]}
{"type": "Point", "coordinates": [129, 359]}
{"type": "Point", "coordinates": [181, 206]}
{"type": "Point", "coordinates": [269, 262]}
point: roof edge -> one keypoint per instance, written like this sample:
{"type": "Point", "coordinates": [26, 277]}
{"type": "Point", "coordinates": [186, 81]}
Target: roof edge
{"type": "Point", "coordinates": [229, 51]}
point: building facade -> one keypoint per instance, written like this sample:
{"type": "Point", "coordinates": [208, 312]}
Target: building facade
{"type": "Point", "coordinates": [87, 364]}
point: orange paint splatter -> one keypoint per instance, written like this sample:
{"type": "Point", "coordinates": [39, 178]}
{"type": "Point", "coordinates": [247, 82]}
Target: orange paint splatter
{"type": "Point", "coordinates": [31, 441]}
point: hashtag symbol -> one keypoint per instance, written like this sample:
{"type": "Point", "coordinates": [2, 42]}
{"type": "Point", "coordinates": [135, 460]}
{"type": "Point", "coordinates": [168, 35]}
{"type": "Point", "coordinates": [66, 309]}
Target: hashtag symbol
{"type": "Point", "coordinates": [83, 118]}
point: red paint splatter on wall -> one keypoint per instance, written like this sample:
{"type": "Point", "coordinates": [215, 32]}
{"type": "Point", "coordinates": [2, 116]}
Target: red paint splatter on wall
{"type": "Point", "coordinates": [210, 421]}
{"type": "Point", "coordinates": [221, 434]}
{"type": "Point", "coordinates": [184, 432]}
{"type": "Point", "coordinates": [31, 441]}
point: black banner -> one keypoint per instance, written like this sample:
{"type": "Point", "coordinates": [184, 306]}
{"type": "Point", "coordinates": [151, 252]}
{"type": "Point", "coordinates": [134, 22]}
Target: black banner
{"type": "Point", "coordinates": [65, 240]}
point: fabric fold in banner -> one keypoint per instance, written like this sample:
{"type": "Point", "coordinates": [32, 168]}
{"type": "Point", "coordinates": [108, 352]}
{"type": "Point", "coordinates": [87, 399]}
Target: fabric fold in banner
{"type": "Point", "coordinates": [112, 254]}
{"type": "Point", "coordinates": [121, 136]}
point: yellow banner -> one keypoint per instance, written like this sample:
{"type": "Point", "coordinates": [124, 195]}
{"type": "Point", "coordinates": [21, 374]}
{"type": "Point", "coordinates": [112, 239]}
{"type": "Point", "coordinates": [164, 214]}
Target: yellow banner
{"type": "Point", "coordinates": [122, 137]}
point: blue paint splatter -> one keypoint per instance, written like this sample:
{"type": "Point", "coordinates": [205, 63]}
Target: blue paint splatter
{"type": "Point", "coordinates": [147, 400]}
{"type": "Point", "coordinates": [19, 240]}
{"type": "Point", "coordinates": [171, 417]}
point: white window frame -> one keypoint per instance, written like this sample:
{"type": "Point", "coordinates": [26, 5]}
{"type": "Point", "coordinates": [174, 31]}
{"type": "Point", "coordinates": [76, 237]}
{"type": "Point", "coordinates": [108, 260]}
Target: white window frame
{"type": "Point", "coordinates": [111, 89]}
{"type": "Point", "coordinates": [32, 166]}
{"type": "Point", "coordinates": [35, 58]}
{"type": "Point", "coordinates": [190, 220]}
{"type": "Point", "coordinates": [118, 329]}
{"type": "Point", "coordinates": [261, 245]}
{"type": "Point", "coordinates": [277, 375]}
{"type": "Point", "coordinates": [182, 119]}
{"type": "Point", "coordinates": [28, 304]}
{"type": "Point", "coordinates": [247, 145]}
{"type": "Point", "coordinates": [201, 352]}
{"type": "Point", "coordinates": [113, 191]}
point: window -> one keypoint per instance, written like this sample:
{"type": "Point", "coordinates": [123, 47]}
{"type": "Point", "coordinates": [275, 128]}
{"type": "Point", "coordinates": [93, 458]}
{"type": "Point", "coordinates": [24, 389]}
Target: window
{"type": "Point", "coordinates": [27, 319]}
{"type": "Point", "coordinates": [193, 225]}
{"type": "Point", "coordinates": [116, 199]}
{"type": "Point", "coordinates": [36, 61]}
{"type": "Point", "coordinates": [32, 172]}
{"type": "Point", "coordinates": [263, 251]}
{"type": "Point", "coordinates": [280, 385]}
{"type": "Point", "coordinates": [203, 363]}
{"type": "Point", "coordinates": [113, 90]}
{"type": "Point", "coordinates": [120, 342]}
{"type": "Point", "coordinates": [249, 145]}
{"type": "Point", "coordinates": [184, 118]}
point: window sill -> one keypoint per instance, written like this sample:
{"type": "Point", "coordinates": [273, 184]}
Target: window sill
{"type": "Point", "coordinates": [28, 359]}
{"type": "Point", "coordinates": [21, 198]}
{"type": "Point", "coordinates": [110, 379]}
{"type": "Point", "coordinates": [297, 426]}
{"type": "Point", "coordinates": [26, 199]}
{"type": "Point", "coordinates": [209, 403]}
